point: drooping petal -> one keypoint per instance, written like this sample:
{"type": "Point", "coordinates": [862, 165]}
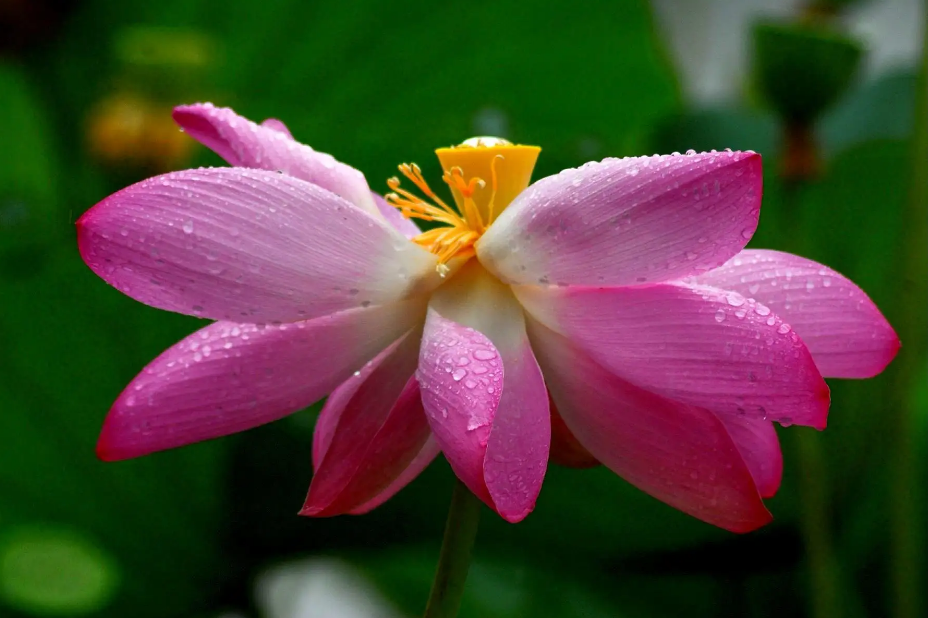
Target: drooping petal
{"type": "Point", "coordinates": [844, 330]}
{"type": "Point", "coordinates": [460, 417]}
{"type": "Point", "coordinates": [248, 246]}
{"type": "Point", "coordinates": [627, 221]}
{"type": "Point", "coordinates": [518, 448]}
{"type": "Point", "coordinates": [678, 453]}
{"type": "Point", "coordinates": [420, 462]}
{"type": "Point", "coordinates": [483, 392]}
{"type": "Point", "coordinates": [698, 345]}
{"type": "Point", "coordinates": [231, 377]}
{"type": "Point", "coordinates": [759, 446]}
{"type": "Point", "coordinates": [372, 429]}
{"type": "Point", "coordinates": [403, 225]}
{"type": "Point", "coordinates": [243, 143]}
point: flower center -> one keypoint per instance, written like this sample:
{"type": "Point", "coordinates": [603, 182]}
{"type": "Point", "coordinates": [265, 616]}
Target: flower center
{"type": "Point", "coordinates": [485, 174]}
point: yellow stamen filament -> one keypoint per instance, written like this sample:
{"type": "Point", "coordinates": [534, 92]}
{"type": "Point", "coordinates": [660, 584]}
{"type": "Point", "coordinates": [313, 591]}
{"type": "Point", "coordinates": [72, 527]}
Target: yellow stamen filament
{"type": "Point", "coordinates": [494, 185]}
{"type": "Point", "coordinates": [464, 229]}
{"type": "Point", "coordinates": [464, 225]}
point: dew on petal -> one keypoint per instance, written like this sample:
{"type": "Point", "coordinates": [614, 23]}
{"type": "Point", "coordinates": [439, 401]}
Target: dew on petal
{"type": "Point", "coordinates": [484, 355]}
{"type": "Point", "coordinates": [735, 299]}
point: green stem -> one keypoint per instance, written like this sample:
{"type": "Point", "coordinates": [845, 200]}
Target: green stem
{"type": "Point", "coordinates": [816, 527]}
{"type": "Point", "coordinates": [814, 489]}
{"type": "Point", "coordinates": [456, 550]}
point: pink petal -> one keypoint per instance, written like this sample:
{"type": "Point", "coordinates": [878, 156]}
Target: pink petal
{"type": "Point", "coordinates": [517, 451]}
{"type": "Point", "coordinates": [759, 446]}
{"type": "Point", "coordinates": [460, 417]}
{"type": "Point", "coordinates": [698, 345]}
{"type": "Point", "coordinates": [373, 427]}
{"type": "Point", "coordinates": [680, 454]}
{"type": "Point", "coordinates": [276, 125]}
{"type": "Point", "coordinates": [475, 346]}
{"type": "Point", "coordinates": [231, 377]}
{"type": "Point", "coordinates": [420, 462]}
{"type": "Point", "coordinates": [243, 143]}
{"type": "Point", "coordinates": [248, 246]}
{"type": "Point", "coordinates": [844, 330]}
{"type": "Point", "coordinates": [403, 225]}
{"type": "Point", "coordinates": [627, 221]}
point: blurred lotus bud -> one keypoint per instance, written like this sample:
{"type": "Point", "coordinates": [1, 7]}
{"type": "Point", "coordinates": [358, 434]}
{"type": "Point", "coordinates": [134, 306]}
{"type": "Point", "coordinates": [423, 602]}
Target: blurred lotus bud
{"type": "Point", "coordinates": [131, 127]}
{"type": "Point", "coordinates": [126, 130]}
{"type": "Point", "coordinates": [800, 70]}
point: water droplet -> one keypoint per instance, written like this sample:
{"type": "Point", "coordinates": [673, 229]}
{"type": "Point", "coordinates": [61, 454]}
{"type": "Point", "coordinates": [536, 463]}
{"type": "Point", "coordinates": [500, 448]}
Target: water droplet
{"type": "Point", "coordinates": [188, 227]}
{"type": "Point", "coordinates": [484, 355]}
{"type": "Point", "coordinates": [720, 316]}
{"type": "Point", "coordinates": [746, 233]}
{"type": "Point", "coordinates": [458, 374]}
{"type": "Point", "coordinates": [735, 299]}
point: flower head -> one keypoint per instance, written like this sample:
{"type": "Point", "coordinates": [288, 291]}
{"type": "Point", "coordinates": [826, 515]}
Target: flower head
{"type": "Point", "coordinates": [620, 292]}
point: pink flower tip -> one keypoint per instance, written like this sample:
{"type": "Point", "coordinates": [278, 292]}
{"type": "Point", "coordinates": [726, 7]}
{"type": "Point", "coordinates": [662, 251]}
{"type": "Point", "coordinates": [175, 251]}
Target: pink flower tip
{"type": "Point", "coordinates": [312, 511]}
{"type": "Point", "coordinates": [763, 517]}
{"type": "Point", "coordinates": [107, 451]}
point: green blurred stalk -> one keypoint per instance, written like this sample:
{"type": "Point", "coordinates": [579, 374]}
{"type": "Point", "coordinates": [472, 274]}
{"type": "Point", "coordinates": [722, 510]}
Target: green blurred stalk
{"type": "Point", "coordinates": [905, 544]}
{"type": "Point", "coordinates": [456, 551]}
{"type": "Point", "coordinates": [815, 524]}
{"type": "Point", "coordinates": [817, 537]}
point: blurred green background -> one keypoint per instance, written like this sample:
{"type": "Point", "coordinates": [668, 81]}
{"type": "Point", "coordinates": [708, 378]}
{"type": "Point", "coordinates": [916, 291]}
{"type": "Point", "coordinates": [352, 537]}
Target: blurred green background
{"type": "Point", "coordinates": [831, 92]}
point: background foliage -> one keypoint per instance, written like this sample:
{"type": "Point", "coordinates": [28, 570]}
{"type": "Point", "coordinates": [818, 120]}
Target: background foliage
{"type": "Point", "coordinates": [85, 92]}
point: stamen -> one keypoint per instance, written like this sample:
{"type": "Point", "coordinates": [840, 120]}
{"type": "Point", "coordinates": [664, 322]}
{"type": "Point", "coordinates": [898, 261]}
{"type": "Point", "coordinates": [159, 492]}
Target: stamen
{"type": "Point", "coordinates": [475, 207]}
{"type": "Point", "coordinates": [414, 173]}
{"type": "Point", "coordinates": [414, 207]}
{"type": "Point", "coordinates": [455, 179]}
{"type": "Point", "coordinates": [463, 228]}
{"type": "Point", "coordinates": [493, 186]}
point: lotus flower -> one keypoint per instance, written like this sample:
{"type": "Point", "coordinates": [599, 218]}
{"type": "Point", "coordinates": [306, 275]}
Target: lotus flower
{"type": "Point", "coordinates": [610, 313]}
